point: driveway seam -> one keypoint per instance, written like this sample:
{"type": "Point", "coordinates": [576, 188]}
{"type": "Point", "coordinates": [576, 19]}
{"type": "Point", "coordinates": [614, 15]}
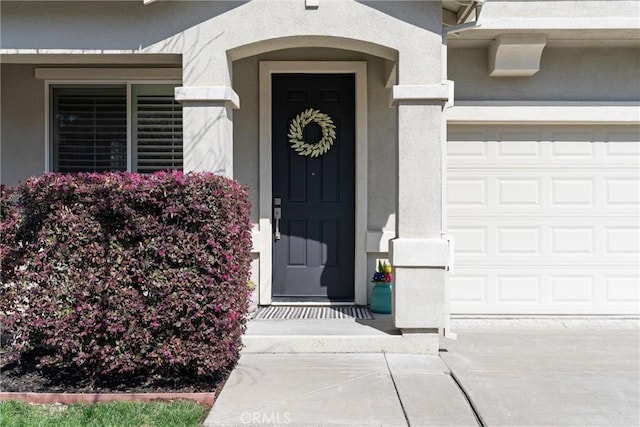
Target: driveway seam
{"type": "Point", "coordinates": [395, 386]}
{"type": "Point", "coordinates": [466, 396]}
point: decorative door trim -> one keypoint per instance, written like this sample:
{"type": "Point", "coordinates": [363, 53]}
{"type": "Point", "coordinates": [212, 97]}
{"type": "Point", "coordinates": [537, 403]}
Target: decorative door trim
{"type": "Point", "coordinates": [267, 69]}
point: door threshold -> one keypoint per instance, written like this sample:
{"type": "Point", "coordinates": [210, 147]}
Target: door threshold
{"type": "Point", "coordinates": [312, 313]}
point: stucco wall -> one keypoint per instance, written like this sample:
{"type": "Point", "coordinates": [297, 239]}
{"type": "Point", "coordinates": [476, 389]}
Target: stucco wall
{"type": "Point", "coordinates": [22, 124]}
{"type": "Point", "coordinates": [382, 130]}
{"type": "Point", "coordinates": [204, 32]}
{"type": "Point", "coordinates": [566, 74]}
{"type": "Point", "coordinates": [113, 25]}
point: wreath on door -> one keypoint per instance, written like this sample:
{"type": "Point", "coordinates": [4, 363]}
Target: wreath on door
{"type": "Point", "coordinates": [297, 126]}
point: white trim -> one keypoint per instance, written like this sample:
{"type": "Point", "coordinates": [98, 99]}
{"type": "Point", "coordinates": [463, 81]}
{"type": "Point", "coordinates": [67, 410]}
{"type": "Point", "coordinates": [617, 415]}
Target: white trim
{"type": "Point", "coordinates": [207, 93]}
{"type": "Point", "coordinates": [474, 311]}
{"type": "Point", "coordinates": [83, 52]}
{"type": "Point", "coordinates": [109, 73]}
{"type": "Point", "coordinates": [47, 123]}
{"type": "Point", "coordinates": [359, 68]}
{"type": "Point", "coordinates": [48, 161]}
{"type": "Point", "coordinates": [66, 57]}
{"type": "Point", "coordinates": [538, 23]}
{"type": "Point", "coordinates": [586, 112]}
{"type": "Point", "coordinates": [439, 92]}
{"type": "Point", "coordinates": [129, 128]}
{"type": "Point", "coordinates": [412, 252]}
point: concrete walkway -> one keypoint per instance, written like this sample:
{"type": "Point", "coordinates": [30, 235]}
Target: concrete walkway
{"type": "Point", "coordinates": [515, 373]}
{"type": "Point", "coordinates": [340, 389]}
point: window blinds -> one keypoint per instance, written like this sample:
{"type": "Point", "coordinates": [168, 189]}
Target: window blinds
{"type": "Point", "coordinates": [89, 129]}
{"type": "Point", "coordinates": [157, 128]}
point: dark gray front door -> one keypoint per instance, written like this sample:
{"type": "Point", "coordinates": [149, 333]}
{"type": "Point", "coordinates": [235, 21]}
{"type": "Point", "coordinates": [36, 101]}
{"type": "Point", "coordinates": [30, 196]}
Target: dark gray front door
{"type": "Point", "coordinates": [313, 258]}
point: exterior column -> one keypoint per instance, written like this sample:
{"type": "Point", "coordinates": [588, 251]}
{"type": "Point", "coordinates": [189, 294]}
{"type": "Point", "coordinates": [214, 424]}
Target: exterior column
{"type": "Point", "coordinates": [418, 253]}
{"type": "Point", "coordinates": [207, 116]}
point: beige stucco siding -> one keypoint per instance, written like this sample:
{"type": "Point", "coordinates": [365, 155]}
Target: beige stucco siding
{"type": "Point", "coordinates": [22, 118]}
{"type": "Point", "coordinates": [110, 25]}
{"type": "Point", "coordinates": [208, 33]}
{"type": "Point", "coordinates": [566, 74]}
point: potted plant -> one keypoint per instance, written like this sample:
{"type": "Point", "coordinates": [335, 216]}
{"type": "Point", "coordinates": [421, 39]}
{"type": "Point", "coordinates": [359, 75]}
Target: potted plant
{"type": "Point", "coordinates": [253, 297]}
{"type": "Point", "coordinates": [381, 293]}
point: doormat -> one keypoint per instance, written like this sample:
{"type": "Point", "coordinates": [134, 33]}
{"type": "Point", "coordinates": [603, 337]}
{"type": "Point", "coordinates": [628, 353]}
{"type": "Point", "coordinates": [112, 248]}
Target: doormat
{"type": "Point", "coordinates": [292, 312]}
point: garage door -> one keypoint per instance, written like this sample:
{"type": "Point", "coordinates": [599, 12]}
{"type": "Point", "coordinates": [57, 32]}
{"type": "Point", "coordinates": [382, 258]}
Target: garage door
{"type": "Point", "coordinates": [545, 219]}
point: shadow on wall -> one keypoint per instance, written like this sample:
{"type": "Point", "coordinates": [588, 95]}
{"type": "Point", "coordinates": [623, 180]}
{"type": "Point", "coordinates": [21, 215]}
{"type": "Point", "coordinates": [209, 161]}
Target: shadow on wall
{"type": "Point", "coordinates": [101, 25]}
{"type": "Point", "coordinates": [406, 14]}
{"type": "Point", "coordinates": [132, 25]}
{"type": "Point", "coordinates": [209, 153]}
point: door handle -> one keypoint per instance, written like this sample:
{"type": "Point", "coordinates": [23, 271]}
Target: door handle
{"type": "Point", "coordinates": [277, 215]}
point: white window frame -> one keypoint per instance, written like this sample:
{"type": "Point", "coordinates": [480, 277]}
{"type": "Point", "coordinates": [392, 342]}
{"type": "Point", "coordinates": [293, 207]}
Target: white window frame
{"type": "Point", "coordinates": [48, 138]}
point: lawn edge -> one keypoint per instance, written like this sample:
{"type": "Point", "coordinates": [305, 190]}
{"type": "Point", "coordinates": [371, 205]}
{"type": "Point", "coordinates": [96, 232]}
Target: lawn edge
{"type": "Point", "coordinates": [206, 398]}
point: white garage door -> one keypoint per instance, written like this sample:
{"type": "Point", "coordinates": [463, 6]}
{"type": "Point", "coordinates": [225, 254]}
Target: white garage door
{"type": "Point", "coordinates": [545, 219]}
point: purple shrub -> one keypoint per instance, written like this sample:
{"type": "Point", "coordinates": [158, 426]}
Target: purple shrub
{"type": "Point", "coordinates": [126, 274]}
{"type": "Point", "coordinates": [9, 217]}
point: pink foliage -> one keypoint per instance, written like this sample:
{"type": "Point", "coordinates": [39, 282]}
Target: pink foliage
{"type": "Point", "coordinates": [122, 273]}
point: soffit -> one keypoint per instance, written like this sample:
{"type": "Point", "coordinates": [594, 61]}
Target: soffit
{"type": "Point", "coordinates": [614, 23]}
{"type": "Point", "coordinates": [555, 37]}
{"type": "Point", "coordinates": [458, 11]}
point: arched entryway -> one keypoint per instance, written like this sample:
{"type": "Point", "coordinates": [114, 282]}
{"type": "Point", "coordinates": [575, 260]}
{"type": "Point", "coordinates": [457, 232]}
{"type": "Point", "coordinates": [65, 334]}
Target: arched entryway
{"type": "Point", "coordinates": [407, 77]}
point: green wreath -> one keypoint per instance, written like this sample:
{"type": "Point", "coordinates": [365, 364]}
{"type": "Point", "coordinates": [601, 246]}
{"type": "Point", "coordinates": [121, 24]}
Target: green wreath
{"type": "Point", "coordinates": [297, 126]}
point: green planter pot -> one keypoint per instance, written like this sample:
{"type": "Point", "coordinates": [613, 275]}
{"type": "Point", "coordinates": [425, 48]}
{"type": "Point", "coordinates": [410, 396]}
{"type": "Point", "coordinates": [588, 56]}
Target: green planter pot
{"type": "Point", "coordinates": [381, 298]}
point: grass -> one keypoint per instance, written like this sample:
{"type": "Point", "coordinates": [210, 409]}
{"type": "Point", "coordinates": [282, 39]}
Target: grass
{"type": "Point", "coordinates": [180, 413]}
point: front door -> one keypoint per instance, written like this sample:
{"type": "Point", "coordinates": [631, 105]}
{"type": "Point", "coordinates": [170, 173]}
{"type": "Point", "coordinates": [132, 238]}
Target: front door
{"type": "Point", "coordinates": [313, 186]}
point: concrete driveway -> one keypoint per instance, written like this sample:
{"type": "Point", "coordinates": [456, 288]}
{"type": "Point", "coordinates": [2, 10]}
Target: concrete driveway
{"type": "Point", "coordinates": [554, 372]}
{"type": "Point", "coordinates": [549, 373]}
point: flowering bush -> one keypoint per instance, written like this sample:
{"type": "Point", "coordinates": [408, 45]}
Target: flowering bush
{"type": "Point", "coordinates": [126, 274]}
{"type": "Point", "coordinates": [383, 273]}
{"type": "Point", "coordinates": [9, 214]}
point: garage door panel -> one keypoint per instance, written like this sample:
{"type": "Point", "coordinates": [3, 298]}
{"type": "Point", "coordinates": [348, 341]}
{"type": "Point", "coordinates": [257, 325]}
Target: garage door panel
{"type": "Point", "coordinates": [572, 288]}
{"type": "Point", "coordinates": [548, 242]}
{"type": "Point", "coordinates": [622, 289]}
{"type": "Point", "coordinates": [617, 148]}
{"type": "Point", "coordinates": [545, 220]}
{"type": "Point", "coordinates": [612, 192]}
{"type": "Point", "coordinates": [572, 240]}
{"type": "Point", "coordinates": [560, 290]}
{"type": "Point", "coordinates": [622, 191]}
{"type": "Point", "coordinates": [471, 191]}
{"type": "Point", "coordinates": [509, 149]}
{"type": "Point", "coordinates": [545, 146]}
{"type": "Point", "coordinates": [622, 240]}
{"type": "Point", "coordinates": [472, 289]}
{"type": "Point", "coordinates": [471, 241]}
{"type": "Point", "coordinates": [468, 149]}
{"type": "Point", "coordinates": [518, 288]}
{"type": "Point", "coordinates": [523, 192]}
{"type": "Point", "coordinates": [514, 240]}
{"type": "Point", "coordinates": [572, 192]}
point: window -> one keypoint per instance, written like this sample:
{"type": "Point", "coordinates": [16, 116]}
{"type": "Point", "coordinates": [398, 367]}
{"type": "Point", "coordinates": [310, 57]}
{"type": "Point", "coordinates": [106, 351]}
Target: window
{"type": "Point", "coordinates": [90, 128]}
{"type": "Point", "coordinates": [157, 127]}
